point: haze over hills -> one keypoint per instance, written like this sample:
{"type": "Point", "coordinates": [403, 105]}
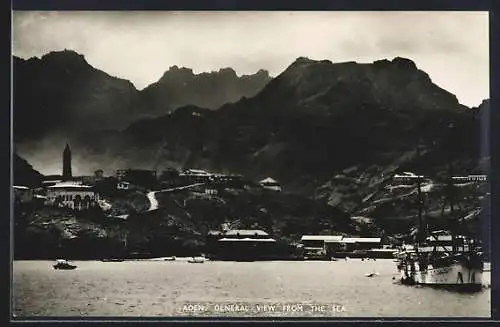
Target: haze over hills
{"type": "Point", "coordinates": [67, 95]}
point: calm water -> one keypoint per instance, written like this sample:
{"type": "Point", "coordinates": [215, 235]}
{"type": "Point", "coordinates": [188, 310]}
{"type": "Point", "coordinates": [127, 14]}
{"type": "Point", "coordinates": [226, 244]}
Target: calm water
{"type": "Point", "coordinates": [159, 288]}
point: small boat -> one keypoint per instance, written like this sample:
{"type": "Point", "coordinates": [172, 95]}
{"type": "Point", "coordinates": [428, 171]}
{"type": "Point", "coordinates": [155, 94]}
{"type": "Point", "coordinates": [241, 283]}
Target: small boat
{"type": "Point", "coordinates": [112, 260]}
{"type": "Point", "coordinates": [373, 274]}
{"type": "Point", "coordinates": [63, 264]}
{"type": "Point", "coordinates": [169, 259]}
{"type": "Point", "coordinates": [197, 260]}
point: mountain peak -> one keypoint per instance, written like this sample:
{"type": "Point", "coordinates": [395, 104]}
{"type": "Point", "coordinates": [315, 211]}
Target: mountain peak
{"type": "Point", "coordinates": [66, 56]}
{"type": "Point", "coordinates": [404, 63]}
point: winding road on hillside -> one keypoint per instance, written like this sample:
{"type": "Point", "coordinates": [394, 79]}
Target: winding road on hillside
{"type": "Point", "coordinates": [153, 201]}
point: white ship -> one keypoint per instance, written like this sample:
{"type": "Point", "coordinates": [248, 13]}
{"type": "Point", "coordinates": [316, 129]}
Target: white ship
{"type": "Point", "coordinates": [442, 258]}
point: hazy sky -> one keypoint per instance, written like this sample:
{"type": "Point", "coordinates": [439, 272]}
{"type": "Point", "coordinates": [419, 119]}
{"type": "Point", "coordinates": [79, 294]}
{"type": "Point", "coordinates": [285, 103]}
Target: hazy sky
{"type": "Point", "coordinates": [452, 47]}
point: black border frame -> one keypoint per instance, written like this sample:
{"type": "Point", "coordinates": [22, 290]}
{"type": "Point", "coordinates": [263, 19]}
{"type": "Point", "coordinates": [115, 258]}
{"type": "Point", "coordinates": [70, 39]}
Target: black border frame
{"type": "Point", "coordinates": [221, 5]}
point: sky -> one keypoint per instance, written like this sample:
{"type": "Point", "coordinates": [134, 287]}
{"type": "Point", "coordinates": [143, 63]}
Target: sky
{"type": "Point", "coordinates": [452, 47]}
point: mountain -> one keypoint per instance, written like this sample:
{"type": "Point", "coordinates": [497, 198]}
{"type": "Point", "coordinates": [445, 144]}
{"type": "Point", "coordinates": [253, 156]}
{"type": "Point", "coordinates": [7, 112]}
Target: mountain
{"type": "Point", "coordinates": [24, 174]}
{"type": "Point", "coordinates": [315, 119]}
{"type": "Point", "coordinates": [65, 95]}
{"type": "Point", "coordinates": [61, 92]}
{"type": "Point", "coordinates": [180, 86]}
{"type": "Point", "coordinates": [332, 134]}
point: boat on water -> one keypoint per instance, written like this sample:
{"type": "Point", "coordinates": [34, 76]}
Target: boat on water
{"type": "Point", "coordinates": [197, 260]}
{"type": "Point", "coordinates": [442, 258]}
{"type": "Point", "coordinates": [112, 260]}
{"type": "Point", "coordinates": [63, 264]}
{"type": "Point", "coordinates": [169, 259]}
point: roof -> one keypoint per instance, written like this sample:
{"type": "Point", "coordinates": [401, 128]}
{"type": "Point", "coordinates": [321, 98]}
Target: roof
{"type": "Point", "coordinates": [361, 240]}
{"type": "Point", "coordinates": [196, 172]}
{"type": "Point", "coordinates": [246, 232]}
{"type": "Point", "coordinates": [247, 240]}
{"type": "Point", "coordinates": [268, 180]}
{"type": "Point", "coordinates": [440, 238]}
{"type": "Point", "coordinates": [17, 187]}
{"type": "Point", "coordinates": [326, 238]}
{"type": "Point", "coordinates": [70, 185]}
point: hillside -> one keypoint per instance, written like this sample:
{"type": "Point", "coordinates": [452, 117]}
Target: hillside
{"type": "Point", "coordinates": [24, 174]}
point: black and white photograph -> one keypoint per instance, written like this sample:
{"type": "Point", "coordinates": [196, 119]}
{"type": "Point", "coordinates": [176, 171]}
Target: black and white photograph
{"type": "Point", "coordinates": [250, 164]}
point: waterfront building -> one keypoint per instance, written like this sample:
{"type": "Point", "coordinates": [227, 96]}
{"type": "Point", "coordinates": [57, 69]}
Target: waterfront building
{"type": "Point", "coordinates": [245, 244]}
{"type": "Point", "coordinates": [319, 246]}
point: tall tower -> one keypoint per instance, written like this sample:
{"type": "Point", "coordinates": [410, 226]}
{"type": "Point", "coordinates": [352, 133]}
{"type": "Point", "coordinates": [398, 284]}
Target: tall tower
{"type": "Point", "coordinates": [66, 175]}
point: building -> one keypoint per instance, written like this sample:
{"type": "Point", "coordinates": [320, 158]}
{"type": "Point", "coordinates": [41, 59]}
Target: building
{"type": "Point", "coordinates": [67, 174]}
{"type": "Point", "coordinates": [469, 179]}
{"type": "Point", "coordinates": [361, 243]}
{"type": "Point", "coordinates": [319, 246]}
{"type": "Point", "coordinates": [326, 246]}
{"type": "Point", "coordinates": [22, 194]}
{"type": "Point", "coordinates": [123, 185]}
{"type": "Point", "coordinates": [407, 178]}
{"type": "Point", "coordinates": [195, 176]}
{"type": "Point", "coordinates": [270, 184]}
{"type": "Point", "coordinates": [121, 174]}
{"type": "Point", "coordinates": [244, 245]}
{"type": "Point", "coordinates": [99, 175]}
{"type": "Point", "coordinates": [72, 195]}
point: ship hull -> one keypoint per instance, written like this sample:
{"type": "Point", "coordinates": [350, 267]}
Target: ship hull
{"type": "Point", "coordinates": [455, 276]}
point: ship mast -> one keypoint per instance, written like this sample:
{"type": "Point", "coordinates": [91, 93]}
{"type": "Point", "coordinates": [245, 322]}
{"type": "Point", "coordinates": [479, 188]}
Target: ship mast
{"type": "Point", "coordinates": [451, 186]}
{"type": "Point", "coordinates": [421, 232]}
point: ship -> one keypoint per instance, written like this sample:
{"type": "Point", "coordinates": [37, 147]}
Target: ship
{"type": "Point", "coordinates": [442, 258]}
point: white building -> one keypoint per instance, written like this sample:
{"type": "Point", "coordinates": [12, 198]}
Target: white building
{"type": "Point", "coordinates": [123, 185]}
{"type": "Point", "coordinates": [270, 184]}
{"type": "Point", "coordinates": [72, 195]}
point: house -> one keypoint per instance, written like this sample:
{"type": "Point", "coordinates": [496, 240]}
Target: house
{"type": "Point", "coordinates": [99, 174]}
{"type": "Point", "coordinates": [469, 179]}
{"type": "Point", "coordinates": [22, 194]}
{"type": "Point", "coordinates": [72, 195]}
{"type": "Point", "coordinates": [361, 243]}
{"type": "Point", "coordinates": [406, 178]}
{"type": "Point", "coordinates": [318, 246]}
{"type": "Point", "coordinates": [122, 185]}
{"type": "Point", "coordinates": [121, 174]}
{"type": "Point", "coordinates": [211, 191]}
{"type": "Point", "coordinates": [195, 176]}
{"type": "Point", "coordinates": [270, 184]}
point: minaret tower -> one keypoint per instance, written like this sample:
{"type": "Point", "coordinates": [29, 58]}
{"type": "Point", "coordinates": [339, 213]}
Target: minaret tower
{"type": "Point", "coordinates": [66, 175]}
